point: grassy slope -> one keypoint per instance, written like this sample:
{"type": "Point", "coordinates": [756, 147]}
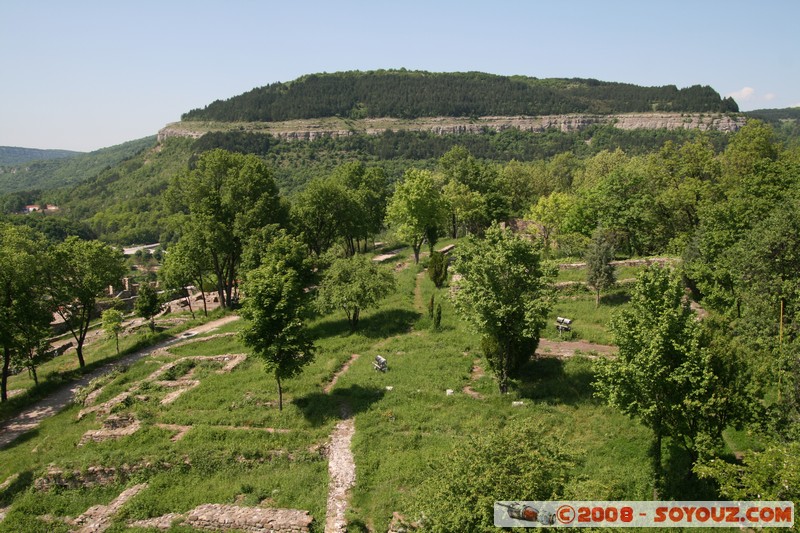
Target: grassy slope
{"type": "Point", "coordinates": [399, 433]}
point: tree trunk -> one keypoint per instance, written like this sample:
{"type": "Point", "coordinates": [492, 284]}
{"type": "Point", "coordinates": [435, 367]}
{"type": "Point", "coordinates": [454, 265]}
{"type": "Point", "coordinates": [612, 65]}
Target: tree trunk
{"type": "Point", "coordinates": [416, 248]}
{"type": "Point", "coordinates": [597, 299]}
{"type": "Point", "coordinates": [203, 294]}
{"type": "Point", "coordinates": [280, 392]}
{"type": "Point", "coordinates": [655, 455]}
{"type": "Point", "coordinates": [6, 367]}
{"type": "Point", "coordinates": [189, 301]}
{"type": "Point", "coordinates": [35, 376]}
{"type": "Point", "coordinates": [455, 226]}
{"type": "Point", "coordinates": [116, 338]}
{"type": "Point", "coordinates": [79, 350]}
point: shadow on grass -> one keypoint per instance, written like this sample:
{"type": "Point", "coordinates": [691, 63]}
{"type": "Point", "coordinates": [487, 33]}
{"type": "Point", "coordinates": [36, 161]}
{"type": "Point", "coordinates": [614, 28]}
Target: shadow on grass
{"type": "Point", "coordinates": [378, 325]}
{"type": "Point", "coordinates": [20, 439]}
{"type": "Point", "coordinates": [318, 408]}
{"type": "Point", "coordinates": [20, 484]}
{"type": "Point", "coordinates": [616, 298]}
{"type": "Point", "coordinates": [544, 379]}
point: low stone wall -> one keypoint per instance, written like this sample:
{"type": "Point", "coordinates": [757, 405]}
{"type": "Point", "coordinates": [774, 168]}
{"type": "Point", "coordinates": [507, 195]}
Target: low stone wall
{"type": "Point", "coordinates": [220, 517]}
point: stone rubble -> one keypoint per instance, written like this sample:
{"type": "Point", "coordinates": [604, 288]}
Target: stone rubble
{"type": "Point", "coordinates": [98, 518]}
{"type": "Point", "coordinates": [114, 427]}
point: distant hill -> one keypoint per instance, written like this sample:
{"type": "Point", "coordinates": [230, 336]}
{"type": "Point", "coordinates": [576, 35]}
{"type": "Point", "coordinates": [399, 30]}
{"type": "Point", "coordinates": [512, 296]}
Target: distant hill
{"type": "Point", "coordinates": [13, 155]}
{"type": "Point", "coordinates": [785, 123]}
{"type": "Point", "coordinates": [45, 174]}
{"type": "Point", "coordinates": [414, 94]}
{"type": "Point", "coordinates": [775, 116]}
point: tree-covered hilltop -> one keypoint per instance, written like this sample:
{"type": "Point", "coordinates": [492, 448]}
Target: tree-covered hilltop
{"type": "Point", "coordinates": [413, 94]}
{"type": "Point", "coordinates": [15, 155]}
{"type": "Point", "coordinates": [49, 173]}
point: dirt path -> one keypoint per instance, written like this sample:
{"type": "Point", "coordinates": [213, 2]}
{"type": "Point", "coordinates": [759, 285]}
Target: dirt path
{"type": "Point", "coordinates": [329, 387]}
{"type": "Point", "coordinates": [548, 348]}
{"type": "Point", "coordinates": [476, 373]}
{"type": "Point", "coordinates": [31, 417]}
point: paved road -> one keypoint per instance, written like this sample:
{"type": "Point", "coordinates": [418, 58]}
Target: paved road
{"type": "Point", "coordinates": [31, 417]}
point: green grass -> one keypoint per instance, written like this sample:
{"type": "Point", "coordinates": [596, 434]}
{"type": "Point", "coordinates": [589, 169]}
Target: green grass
{"type": "Point", "coordinates": [404, 421]}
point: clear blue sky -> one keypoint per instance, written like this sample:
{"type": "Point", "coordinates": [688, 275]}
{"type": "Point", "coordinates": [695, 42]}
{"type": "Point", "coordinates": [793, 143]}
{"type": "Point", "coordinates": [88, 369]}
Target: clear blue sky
{"type": "Point", "coordinates": [83, 75]}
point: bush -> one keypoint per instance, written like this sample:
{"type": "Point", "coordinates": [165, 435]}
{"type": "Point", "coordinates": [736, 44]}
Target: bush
{"type": "Point", "coordinates": [437, 269]}
{"type": "Point", "coordinates": [518, 463]}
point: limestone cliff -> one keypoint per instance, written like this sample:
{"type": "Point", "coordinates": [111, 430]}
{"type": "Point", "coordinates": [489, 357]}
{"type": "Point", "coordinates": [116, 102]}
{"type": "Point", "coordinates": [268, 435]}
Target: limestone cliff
{"type": "Point", "coordinates": [313, 129]}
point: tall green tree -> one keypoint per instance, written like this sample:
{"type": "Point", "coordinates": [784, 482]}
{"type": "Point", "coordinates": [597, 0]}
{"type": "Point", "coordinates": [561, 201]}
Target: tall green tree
{"type": "Point", "coordinates": [504, 295]}
{"type": "Point", "coordinates": [668, 373]}
{"type": "Point", "coordinates": [25, 307]}
{"type": "Point", "coordinates": [80, 271]}
{"type": "Point", "coordinates": [186, 264]}
{"type": "Point", "coordinates": [352, 285]}
{"type": "Point", "coordinates": [273, 307]}
{"type": "Point", "coordinates": [112, 324]}
{"type": "Point", "coordinates": [600, 273]}
{"type": "Point", "coordinates": [416, 208]}
{"type": "Point", "coordinates": [548, 214]}
{"type": "Point", "coordinates": [148, 304]}
{"type": "Point", "coordinates": [225, 198]}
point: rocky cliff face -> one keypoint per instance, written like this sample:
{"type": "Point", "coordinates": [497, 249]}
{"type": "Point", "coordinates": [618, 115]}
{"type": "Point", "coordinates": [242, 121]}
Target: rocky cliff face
{"type": "Point", "coordinates": [310, 130]}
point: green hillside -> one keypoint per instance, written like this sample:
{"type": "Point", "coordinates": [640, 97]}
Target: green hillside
{"type": "Point", "coordinates": [14, 155]}
{"type": "Point", "coordinates": [48, 174]}
{"type": "Point", "coordinates": [412, 94]}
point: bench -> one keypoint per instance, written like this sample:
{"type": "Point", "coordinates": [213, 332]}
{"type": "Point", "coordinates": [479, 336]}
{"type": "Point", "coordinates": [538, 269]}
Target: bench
{"type": "Point", "coordinates": [563, 324]}
{"type": "Point", "coordinates": [380, 364]}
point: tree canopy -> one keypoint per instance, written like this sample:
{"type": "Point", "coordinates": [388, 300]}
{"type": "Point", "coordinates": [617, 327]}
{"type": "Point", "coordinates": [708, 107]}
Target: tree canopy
{"type": "Point", "coordinates": [224, 199]}
{"type": "Point", "coordinates": [504, 295]}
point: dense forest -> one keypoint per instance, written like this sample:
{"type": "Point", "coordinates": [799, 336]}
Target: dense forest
{"type": "Point", "coordinates": [413, 94]}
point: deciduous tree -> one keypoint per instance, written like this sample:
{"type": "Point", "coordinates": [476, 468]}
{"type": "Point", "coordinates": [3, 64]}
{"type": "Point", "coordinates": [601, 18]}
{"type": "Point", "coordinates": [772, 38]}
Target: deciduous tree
{"type": "Point", "coordinates": [80, 272]}
{"type": "Point", "coordinates": [504, 294]}
{"type": "Point", "coordinates": [275, 332]}
{"type": "Point", "coordinates": [668, 374]}
{"type": "Point", "coordinates": [225, 198]}
{"type": "Point", "coordinates": [353, 284]}
{"type": "Point", "coordinates": [112, 324]}
{"type": "Point", "coordinates": [416, 207]}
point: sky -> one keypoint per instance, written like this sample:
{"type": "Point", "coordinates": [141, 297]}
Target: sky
{"type": "Point", "coordinates": [83, 75]}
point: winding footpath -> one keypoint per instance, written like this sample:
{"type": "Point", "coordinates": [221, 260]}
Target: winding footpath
{"type": "Point", "coordinates": [30, 418]}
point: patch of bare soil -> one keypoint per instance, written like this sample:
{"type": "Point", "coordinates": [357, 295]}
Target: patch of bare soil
{"type": "Point", "coordinates": [563, 349]}
{"type": "Point", "coordinates": [476, 373]}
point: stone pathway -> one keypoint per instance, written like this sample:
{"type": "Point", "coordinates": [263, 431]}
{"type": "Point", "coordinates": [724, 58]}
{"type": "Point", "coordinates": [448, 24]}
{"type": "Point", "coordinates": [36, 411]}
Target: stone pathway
{"type": "Point", "coordinates": [31, 417]}
{"type": "Point", "coordinates": [342, 472]}
{"type": "Point", "coordinates": [341, 464]}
